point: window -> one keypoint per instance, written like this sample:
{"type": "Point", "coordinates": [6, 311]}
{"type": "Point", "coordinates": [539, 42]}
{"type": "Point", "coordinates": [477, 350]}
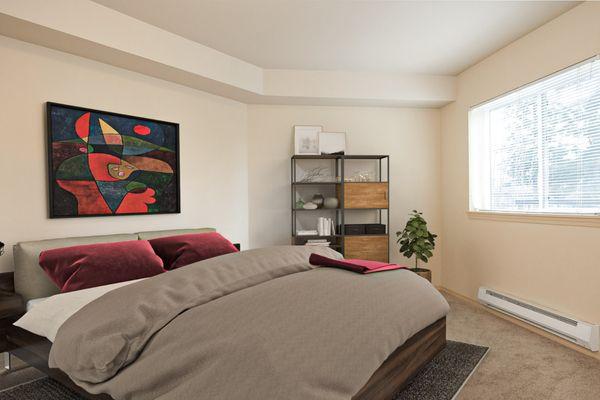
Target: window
{"type": "Point", "coordinates": [537, 149]}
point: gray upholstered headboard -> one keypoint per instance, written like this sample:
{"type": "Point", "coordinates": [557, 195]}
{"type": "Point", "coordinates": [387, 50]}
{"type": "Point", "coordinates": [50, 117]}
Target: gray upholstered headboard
{"type": "Point", "coordinates": [30, 280]}
{"type": "Point", "coordinates": [149, 235]}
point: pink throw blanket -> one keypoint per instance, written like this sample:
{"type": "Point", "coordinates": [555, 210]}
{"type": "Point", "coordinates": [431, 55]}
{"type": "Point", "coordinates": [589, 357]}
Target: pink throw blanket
{"type": "Point", "coordinates": [354, 265]}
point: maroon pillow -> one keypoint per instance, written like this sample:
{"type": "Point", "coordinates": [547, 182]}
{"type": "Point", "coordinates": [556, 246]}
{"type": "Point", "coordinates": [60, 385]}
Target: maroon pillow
{"type": "Point", "coordinates": [87, 266]}
{"type": "Point", "coordinates": [180, 250]}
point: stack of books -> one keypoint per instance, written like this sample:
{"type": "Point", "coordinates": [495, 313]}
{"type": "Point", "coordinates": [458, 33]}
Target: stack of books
{"type": "Point", "coordinates": [317, 242]}
{"type": "Point", "coordinates": [325, 227]}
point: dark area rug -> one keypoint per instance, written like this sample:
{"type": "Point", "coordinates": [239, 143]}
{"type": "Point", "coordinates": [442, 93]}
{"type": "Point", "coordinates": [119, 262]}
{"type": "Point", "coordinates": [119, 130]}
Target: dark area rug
{"type": "Point", "coordinates": [42, 389]}
{"type": "Point", "coordinates": [441, 379]}
{"type": "Point", "coordinates": [445, 375]}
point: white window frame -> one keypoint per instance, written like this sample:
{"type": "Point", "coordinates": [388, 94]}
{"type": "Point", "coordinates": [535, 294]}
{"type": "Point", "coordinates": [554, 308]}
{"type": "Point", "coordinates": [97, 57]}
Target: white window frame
{"type": "Point", "coordinates": [576, 219]}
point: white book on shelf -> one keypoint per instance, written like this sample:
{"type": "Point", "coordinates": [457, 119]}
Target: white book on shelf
{"type": "Point", "coordinates": [325, 227]}
{"type": "Point", "coordinates": [307, 232]}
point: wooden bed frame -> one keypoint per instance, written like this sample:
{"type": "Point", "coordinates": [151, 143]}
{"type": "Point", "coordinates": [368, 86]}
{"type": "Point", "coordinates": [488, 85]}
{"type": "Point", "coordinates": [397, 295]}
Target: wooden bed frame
{"type": "Point", "coordinates": [391, 377]}
{"type": "Point", "coordinates": [404, 363]}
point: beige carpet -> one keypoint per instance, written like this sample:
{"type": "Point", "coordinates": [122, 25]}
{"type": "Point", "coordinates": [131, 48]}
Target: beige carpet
{"type": "Point", "coordinates": [519, 365]}
{"type": "Point", "coordinates": [19, 374]}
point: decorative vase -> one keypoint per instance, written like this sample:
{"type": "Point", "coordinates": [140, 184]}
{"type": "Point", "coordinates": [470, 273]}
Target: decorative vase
{"type": "Point", "coordinates": [331, 202]}
{"type": "Point", "coordinates": [318, 199]}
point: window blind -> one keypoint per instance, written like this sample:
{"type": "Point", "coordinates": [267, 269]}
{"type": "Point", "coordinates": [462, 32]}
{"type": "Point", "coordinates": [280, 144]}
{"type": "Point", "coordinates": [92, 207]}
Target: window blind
{"type": "Point", "coordinates": [537, 149]}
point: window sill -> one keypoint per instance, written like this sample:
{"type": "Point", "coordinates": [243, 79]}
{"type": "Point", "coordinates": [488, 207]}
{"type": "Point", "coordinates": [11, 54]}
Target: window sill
{"type": "Point", "coordinates": [549, 219]}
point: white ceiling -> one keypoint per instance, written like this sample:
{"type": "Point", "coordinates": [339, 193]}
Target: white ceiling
{"type": "Point", "coordinates": [393, 36]}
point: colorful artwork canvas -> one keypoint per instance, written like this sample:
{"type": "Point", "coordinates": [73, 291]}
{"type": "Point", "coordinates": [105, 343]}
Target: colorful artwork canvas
{"type": "Point", "coordinates": [103, 163]}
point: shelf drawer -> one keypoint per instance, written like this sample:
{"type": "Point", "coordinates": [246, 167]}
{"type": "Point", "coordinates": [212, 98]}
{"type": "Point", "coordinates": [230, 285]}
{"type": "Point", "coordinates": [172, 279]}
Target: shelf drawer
{"type": "Point", "coordinates": [366, 195]}
{"type": "Point", "coordinates": [373, 248]}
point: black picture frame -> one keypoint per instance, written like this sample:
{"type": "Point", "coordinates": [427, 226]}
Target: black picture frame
{"type": "Point", "coordinates": [54, 189]}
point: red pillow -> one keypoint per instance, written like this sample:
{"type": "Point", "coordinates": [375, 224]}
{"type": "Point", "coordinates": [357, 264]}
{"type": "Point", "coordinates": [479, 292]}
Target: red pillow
{"type": "Point", "coordinates": [180, 250]}
{"type": "Point", "coordinates": [87, 266]}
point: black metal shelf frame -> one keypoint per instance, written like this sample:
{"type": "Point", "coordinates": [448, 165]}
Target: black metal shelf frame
{"type": "Point", "coordinates": [339, 170]}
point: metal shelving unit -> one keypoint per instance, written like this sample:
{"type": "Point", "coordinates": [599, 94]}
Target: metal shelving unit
{"type": "Point", "coordinates": [339, 168]}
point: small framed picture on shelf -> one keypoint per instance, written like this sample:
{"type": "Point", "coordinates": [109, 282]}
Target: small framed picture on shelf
{"type": "Point", "coordinates": [306, 140]}
{"type": "Point", "coordinates": [332, 142]}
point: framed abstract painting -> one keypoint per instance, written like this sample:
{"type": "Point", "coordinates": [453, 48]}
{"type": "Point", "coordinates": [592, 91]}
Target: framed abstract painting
{"type": "Point", "coordinates": [102, 163]}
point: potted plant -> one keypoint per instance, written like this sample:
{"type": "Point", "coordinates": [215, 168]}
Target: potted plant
{"type": "Point", "coordinates": [416, 240]}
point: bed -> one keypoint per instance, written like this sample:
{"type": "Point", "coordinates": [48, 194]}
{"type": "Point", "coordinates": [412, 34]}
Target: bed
{"type": "Point", "coordinates": [342, 341]}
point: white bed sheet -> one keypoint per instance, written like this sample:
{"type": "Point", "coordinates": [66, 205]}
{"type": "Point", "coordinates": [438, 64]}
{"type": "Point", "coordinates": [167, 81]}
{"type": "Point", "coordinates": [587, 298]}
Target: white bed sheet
{"type": "Point", "coordinates": [31, 303]}
{"type": "Point", "coordinates": [45, 316]}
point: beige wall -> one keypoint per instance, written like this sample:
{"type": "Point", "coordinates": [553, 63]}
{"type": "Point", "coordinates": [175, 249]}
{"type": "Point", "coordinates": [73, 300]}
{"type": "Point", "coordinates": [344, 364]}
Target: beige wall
{"type": "Point", "coordinates": [410, 136]}
{"type": "Point", "coordinates": [213, 144]}
{"type": "Point", "coordinates": [223, 144]}
{"type": "Point", "coordinates": [556, 266]}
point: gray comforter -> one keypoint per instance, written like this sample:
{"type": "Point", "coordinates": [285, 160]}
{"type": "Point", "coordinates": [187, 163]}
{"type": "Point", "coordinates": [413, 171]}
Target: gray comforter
{"type": "Point", "coordinates": [261, 324]}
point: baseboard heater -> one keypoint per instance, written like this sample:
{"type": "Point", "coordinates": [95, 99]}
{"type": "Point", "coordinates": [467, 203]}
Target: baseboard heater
{"type": "Point", "coordinates": [579, 332]}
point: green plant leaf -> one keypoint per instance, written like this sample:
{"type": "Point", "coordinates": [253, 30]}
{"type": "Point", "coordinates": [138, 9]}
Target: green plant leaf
{"type": "Point", "coordinates": [415, 239]}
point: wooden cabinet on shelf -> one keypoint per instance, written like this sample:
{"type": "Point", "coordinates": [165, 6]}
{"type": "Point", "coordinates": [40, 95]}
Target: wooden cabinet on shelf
{"type": "Point", "coordinates": [366, 195]}
{"type": "Point", "coordinates": [367, 247]}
